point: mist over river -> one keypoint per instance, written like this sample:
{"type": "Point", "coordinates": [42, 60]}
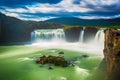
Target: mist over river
{"type": "Point", "coordinates": [55, 38]}
{"type": "Point", "coordinates": [18, 62]}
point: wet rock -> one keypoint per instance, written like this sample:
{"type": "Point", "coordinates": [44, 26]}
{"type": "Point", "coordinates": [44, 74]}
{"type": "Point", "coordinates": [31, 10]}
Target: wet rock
{"type": "Point", "coordinates": [72, 34]}
{"type": "Point", "coordinates": [85, 56]}
{"type": "Point", "coordinates": [112, 53]}
{"type": "Point", "coordinates": [50, 67]}
{"type": "Point", "coordinates": [89, 34]}
{"type": "Point", "coordinates": [57, 61]}
{"type": "Point", "coordinates": [61, 53]}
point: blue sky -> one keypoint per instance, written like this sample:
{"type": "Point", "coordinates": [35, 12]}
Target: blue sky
{"type": "Point", "coordinates": [40, 10]}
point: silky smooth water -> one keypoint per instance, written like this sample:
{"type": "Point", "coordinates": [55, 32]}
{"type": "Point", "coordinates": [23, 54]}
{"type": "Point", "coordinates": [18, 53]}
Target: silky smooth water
{"type": "Point", "coordinates": [81, 35]}
{"type": "Point", "coordinates": [18, 63]}
{"type": "Point", "coordinates": [49, 34]}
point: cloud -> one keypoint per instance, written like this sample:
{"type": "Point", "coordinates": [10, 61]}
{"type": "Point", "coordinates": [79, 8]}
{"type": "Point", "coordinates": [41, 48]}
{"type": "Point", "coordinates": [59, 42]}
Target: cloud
{"type": "Point", "coordinates": [63, 6]}
{"type": "Point", "coordinates": [102, 5]}
{"type": "Point", "coordinates": [37, 18]}
{"type": "Point", "coordinates": [98, 17]}
{"type": "Point", "coordinates": [37, 9]}
{"type": "Point", "coordinates": [21, 3]}
{"type": "Point", "coordinates": [29, 16]}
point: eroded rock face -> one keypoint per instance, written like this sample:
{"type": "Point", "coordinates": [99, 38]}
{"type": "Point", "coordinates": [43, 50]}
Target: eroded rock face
{"type": "Point", "coordinates": [89, 34]}
{"type": "Point", "coordinates": [112, 53]}
{"type": "Point", "coordinates": [72, 34]}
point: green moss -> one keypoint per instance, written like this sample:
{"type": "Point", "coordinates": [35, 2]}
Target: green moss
{"type": "Point", "coordinates": [97, 27]}
{"type": "Point", "coordinates": [70, 27]}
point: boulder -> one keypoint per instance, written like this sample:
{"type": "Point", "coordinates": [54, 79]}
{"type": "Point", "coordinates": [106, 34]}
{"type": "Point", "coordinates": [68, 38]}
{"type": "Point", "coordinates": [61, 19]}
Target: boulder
{"type": "Point", "coordinates": [57, 61]}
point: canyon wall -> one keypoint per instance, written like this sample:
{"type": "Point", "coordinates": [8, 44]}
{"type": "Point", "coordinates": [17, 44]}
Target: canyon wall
{"type": "Point", "coordinates": [112, 54]}
{"type": "Point", "coordinates": [89, 34]}
{"type": "Point", "coordinates": [72, 34]}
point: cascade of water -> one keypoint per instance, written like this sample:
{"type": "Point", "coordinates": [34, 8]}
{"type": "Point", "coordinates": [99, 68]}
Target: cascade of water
{"type": "Point", "coordinates": [81, 35]}
{"type": "Point", "coordinates": [59, 34]}
{"type": "Point", "coordinates": [49, 34]}
{"type": "Point", "coordinates": [99, 37]}
{"type": "Point", "coordinates": [56, 39]}
{"type": "Point", "coordinates": [32, 36]}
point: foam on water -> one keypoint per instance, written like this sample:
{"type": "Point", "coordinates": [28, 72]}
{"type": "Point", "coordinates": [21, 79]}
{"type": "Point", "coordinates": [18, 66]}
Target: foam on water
{"type": "Point", "coordinates": [25, 59]}
{"type": "Point", "coordinates": [92, 47]}
{"type": "Point", "coordinates": [82, 72]}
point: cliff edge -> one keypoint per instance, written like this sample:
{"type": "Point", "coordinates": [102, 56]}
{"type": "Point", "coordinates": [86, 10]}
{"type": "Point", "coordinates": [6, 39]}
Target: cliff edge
{"type": "Point", "coordinates": [112, 53]}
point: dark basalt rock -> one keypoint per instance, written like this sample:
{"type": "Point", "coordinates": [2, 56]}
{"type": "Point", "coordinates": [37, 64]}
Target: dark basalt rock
{"type": "Point", "coordinates": [89, 34]}
{"type": "Point", "coordinates": [72, 34]}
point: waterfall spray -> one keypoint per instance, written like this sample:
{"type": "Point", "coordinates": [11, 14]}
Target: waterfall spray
{"type": "Point", "coordinates": [55, 38]}
{"type": "Point", "coordinates": [99, 37]}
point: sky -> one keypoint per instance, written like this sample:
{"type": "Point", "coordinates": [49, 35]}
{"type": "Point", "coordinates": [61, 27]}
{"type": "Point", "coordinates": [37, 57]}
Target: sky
{"type": "Point", "coordinates": [40, 10]}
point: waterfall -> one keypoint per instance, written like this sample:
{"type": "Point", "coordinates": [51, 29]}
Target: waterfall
{"type": "Point", "coordinates": [55, 38]}
{"type": "Point", "coordinates": [32, 36]}
{"type": "Point", "coordinates": [49, 34]}
{"type": "Point", "coordinates": [81, 35]}
{"type": "Point", "coordinates": [99, 37]}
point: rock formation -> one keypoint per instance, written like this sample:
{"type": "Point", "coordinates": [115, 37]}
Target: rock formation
{"type": "Point", "coordinates": [56, 60]}
{"type": "Point", "coordinates": [89, 34]}
{"type": "Point", "coordinates": [112, 54]}
{"type": "Point", "coordinates": [72, 34]}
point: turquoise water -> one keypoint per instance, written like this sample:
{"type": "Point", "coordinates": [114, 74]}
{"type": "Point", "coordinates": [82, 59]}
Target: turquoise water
{"type": "Point", "coordinates": [18, 63]}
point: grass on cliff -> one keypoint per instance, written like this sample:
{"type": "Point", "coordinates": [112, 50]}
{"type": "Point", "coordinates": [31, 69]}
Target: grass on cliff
{"type": "Point", "coordinates": [66, 27]}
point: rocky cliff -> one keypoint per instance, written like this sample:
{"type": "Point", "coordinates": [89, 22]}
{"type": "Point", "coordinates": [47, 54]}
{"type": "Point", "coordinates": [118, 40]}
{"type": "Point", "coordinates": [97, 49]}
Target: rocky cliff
{"type": "Point", "coordinates": [72, 34]}
{"type": "Point", "coordinates": [89, 34]}
{"type": "Point", "coordinates": [112, 53]}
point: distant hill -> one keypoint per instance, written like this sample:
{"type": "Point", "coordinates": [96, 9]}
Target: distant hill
{"type": "Point", "coordinates": [86, 22]}
{"type": "Point", "coordinates": [16, 30]}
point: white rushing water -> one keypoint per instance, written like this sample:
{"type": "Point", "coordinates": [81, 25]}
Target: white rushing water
{"type": "Point", "coordinates": [55, 38]}
{"type": "Point", "coordinates": [49, 34]}
{"type": "Point", "coordinates": [81, 35]}
{"type": "Point", "coordinates": [99, 37]}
